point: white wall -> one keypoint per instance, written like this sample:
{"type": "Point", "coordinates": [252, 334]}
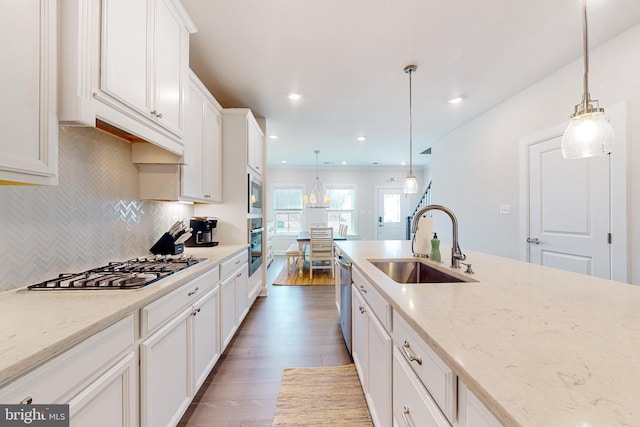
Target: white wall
{"type": "Point", "coordinates": [366, 181]}
{"type": "Point", "coordinates": [475, 168]}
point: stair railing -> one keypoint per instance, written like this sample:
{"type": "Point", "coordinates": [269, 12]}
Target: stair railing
{"type": "Point", "coordinates": [424, 201]}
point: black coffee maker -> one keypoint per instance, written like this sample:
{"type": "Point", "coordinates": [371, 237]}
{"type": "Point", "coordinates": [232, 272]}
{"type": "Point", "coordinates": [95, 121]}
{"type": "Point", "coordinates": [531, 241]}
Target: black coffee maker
{"type": "Point", "coordinates": [202, 234]}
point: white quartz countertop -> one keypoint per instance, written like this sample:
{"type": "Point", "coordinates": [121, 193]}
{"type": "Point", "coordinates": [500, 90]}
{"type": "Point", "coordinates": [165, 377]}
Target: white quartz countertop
{"type": "Point", "coordinates": [38, 325]}
{"type": "Point", "coordinates": [539, 346]}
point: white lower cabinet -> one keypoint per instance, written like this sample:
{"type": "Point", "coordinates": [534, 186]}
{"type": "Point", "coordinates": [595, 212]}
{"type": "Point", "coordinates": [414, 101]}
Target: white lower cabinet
{"type": "Point", "coordinates": [176, 358]}
{"type": "Point", "coordinates": [412, 404]}
{"type": "Point", "coordinates": [406, 384]}
{"type": "Point", "coordinates": [437, 377]}
{"type": "Point", "coordinates": [472, 412]}
{"type": "Point", "coordinates": [164, 382]}
{"type": "Point", "coordinates": [97, 378]}
{"type": "Point", "coordinates": [372, 348]}
{"type": "Point", "coordinates": [108, 401]}
{"type": "Point", "coordinates": [233, 297]}
{"type": "Point", "coordinates": [205, 336]}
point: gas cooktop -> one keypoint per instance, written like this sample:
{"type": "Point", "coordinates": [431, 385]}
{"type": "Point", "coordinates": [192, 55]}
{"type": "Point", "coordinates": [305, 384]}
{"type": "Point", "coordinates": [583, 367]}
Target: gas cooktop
{"type": "Point", "coordinates": [132, 274]}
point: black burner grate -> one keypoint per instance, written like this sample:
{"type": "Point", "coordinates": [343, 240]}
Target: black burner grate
{"type": "Point", "coordinates": [132, 274]}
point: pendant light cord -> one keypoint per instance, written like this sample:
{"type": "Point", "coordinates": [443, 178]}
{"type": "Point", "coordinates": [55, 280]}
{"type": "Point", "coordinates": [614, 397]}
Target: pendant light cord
{"type": "Point", "coordinates": [410, 127]}
{"type": "Point", "coordinates": [585, 44]}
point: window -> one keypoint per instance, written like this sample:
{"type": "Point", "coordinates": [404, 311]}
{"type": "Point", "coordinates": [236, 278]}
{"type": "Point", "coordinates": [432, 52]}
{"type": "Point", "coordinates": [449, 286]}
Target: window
{"type": "Point", "coordinates": [342, 208]}
{"type": "Point", "coordinates": [287, 209]}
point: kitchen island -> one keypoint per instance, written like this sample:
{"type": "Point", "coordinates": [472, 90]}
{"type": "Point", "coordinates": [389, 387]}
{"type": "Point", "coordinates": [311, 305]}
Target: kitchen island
{"type": "Point", "coordinates": [538, 346]}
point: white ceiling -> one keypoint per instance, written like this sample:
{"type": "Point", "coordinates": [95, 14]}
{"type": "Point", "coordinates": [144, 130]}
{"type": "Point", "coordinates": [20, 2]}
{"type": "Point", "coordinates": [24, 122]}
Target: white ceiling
{"type": "Point", "coordinates": [346, 58]}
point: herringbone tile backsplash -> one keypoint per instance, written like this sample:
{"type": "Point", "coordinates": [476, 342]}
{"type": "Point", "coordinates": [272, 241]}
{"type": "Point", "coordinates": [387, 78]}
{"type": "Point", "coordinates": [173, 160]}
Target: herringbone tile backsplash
{"type": "Point", "coordinates": [92, 217]}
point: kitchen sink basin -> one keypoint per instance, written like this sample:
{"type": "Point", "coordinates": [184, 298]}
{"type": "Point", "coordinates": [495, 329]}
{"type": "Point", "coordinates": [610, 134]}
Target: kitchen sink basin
{"type": "Point", "coordinates": [415, 271]}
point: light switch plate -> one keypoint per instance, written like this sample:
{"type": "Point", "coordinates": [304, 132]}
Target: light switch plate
{"type": "Point", "coordinates": [505, 209]}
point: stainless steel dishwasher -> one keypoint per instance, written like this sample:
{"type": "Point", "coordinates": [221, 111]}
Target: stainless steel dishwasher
{"type": "Point", "coordinates": [345, 299]}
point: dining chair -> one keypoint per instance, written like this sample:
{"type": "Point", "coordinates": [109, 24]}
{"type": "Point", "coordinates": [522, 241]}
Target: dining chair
{"type": "Point", "coordinates": [317, 225]}
{"type": "Point", "coordinates": [342, 230]}
{"type": "Point", "coordinates": [321, 249]}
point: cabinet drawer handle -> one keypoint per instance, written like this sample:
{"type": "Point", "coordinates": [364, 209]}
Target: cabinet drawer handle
{"type": "Point", "coordinates": [362, 310]}
{"type": "Point", "coordinates": [362, 289]}
{"type": "Point", "coordinates": [27, 400]}
{"type": "Point", "coordinates": [195, 312]}
{"type": "Point", "coordinates": [193, 292]}
{"type": "Point", "coordinates": [406, 415]}
{"type": "Point", "coordinates": [237, 261]}
{"type": "Point", "coordinates": [411, 357]}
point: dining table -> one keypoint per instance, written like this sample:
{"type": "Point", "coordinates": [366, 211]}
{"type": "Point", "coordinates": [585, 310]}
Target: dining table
{"type": "Point", "coordinates": [304, 238]}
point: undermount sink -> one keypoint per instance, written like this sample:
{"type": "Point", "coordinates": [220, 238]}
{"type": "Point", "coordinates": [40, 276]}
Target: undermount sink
{"type": "Point", "coordinates": [415, 271]}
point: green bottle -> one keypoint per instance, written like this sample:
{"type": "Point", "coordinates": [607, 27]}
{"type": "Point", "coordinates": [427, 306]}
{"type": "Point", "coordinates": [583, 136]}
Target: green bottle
{"type": "Point", "coordinates": [435, 249]}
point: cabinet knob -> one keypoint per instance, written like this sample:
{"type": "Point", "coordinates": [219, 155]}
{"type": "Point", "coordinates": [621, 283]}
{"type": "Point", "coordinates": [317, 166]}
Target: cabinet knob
{"type": "Point", "coordinates": [362, 310]}
{"type": "Point", "coordinates": [362, 289]}
{"type": "Point", "coordinates": [195, 312]}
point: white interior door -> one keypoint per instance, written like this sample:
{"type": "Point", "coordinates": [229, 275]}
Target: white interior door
{"type": "Point", "coordinates": [569, 206]}
{"type": "Point", "coordinates": [391, 214]}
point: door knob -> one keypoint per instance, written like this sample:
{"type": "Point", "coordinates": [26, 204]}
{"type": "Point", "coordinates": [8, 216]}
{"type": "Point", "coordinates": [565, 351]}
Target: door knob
{"type": "Point", "coordinates": [533, 240]}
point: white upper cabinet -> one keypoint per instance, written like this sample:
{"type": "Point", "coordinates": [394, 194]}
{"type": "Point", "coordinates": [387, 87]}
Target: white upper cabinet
{"type": "Point", "coordinates": [125, 62]}
{"type": "Point", "coordinates": [196, 177]}
{"type": "Point", "coordinates": [202, 169]}
{"type": "Point", "coordinates": [29, 128]}
{"type": "Point", "coordinates": [255, 140]}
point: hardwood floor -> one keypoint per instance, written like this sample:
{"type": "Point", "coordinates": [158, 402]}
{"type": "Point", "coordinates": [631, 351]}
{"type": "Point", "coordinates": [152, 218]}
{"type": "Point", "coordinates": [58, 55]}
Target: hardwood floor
{"type": "Point", "coordinates": [295, 326]}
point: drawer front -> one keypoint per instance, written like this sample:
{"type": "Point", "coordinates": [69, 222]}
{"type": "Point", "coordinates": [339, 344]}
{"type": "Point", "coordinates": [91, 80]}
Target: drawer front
{"type": "Point", "coordinates": [437, 377]}
{"type": "Point", "coordinates": [229, 266]}
{"type": "Point", "coordinates": [412, 405]}
{"type": "Point", "coordinates": [59, 379]}
{"type": "Point", "coordinates": [378, 304]}
{"type": "Point", "coordinates": [160, 311]}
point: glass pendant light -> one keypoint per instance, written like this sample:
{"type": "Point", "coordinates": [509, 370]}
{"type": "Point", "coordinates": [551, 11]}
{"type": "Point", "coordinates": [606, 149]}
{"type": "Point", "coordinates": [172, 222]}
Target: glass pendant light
{"type": "Point", "coordinates": [589, 132]}
{"type": "Point", "coordinates": [317, 198]}
{"type": "Point", "coordinates": [410, 183]}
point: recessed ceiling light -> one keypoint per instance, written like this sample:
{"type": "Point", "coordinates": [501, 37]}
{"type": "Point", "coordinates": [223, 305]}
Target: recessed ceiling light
{"type": "Point", "coordinates": [283, 161]}
{"type": "Point", "coordinates": [403, 163]}
{"type": "Point", "coordinates": [456, 100]}
{"type": "Point", "coordinates": [293, 96]}
{"type": "Point", "coordinates": [362, 138]}
{"type": "Point", "coordinates": [273, 136]}
{"type": "Point", "coordinates": [344, 163]}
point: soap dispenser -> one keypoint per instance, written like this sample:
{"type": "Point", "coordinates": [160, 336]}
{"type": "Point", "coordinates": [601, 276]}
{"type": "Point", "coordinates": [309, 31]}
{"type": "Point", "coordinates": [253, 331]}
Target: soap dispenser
{"type": "Point", "coordinates": [435, 249]}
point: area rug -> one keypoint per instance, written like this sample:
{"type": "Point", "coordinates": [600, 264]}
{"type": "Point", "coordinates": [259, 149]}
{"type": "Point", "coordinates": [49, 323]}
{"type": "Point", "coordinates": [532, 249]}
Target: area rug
{"type": "Point", "coordinates": [326, 396]}
{"type": "Point", "coordinates": [290, 277]}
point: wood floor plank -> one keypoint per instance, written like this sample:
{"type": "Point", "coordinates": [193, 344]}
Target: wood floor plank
{"type": "Point", "coordinates": [295, 326]}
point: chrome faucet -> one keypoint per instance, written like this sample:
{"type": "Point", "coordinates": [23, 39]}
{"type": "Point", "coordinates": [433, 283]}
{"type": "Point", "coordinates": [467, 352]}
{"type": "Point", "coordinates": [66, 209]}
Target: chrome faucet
{"type": "Point", "coordinates": [456, 253]}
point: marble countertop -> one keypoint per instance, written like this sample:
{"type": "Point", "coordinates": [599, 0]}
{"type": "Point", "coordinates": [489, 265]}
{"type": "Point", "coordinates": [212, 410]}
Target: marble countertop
{"type": "Point", "coordinates": [38, 325]}
{"type": "Point", "coordinates": [539, 346]}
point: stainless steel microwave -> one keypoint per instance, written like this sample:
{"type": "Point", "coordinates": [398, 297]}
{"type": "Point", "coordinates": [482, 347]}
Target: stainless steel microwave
{"type": "Point", "coordinates": [255, 195]}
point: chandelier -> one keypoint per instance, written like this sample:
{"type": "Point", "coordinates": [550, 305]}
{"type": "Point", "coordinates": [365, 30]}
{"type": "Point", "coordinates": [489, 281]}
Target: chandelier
{"type": "Point", "coordinates": [317, 198]}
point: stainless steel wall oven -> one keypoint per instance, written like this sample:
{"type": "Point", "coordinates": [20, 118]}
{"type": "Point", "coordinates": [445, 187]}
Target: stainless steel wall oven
{"type": "Point", "coordinates": [255, 244]}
